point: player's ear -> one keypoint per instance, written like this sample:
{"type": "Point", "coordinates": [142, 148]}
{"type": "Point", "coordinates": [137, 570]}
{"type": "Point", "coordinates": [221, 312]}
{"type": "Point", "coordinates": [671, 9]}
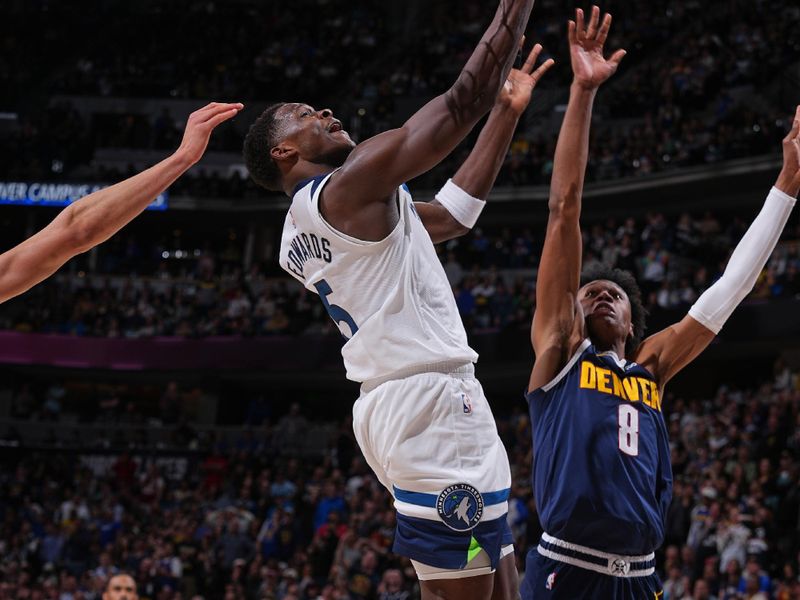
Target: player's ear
{"type": "Point", "coordinates": [283, 152]}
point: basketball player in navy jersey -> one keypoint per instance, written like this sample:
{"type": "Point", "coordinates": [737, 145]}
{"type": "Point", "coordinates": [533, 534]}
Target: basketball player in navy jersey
{"type": "Point", "coordinates": [96, 217]}
{"type": "Point", "coordinates": [601, 460]}
{"type": "Point", "coordinates": [354, 236]}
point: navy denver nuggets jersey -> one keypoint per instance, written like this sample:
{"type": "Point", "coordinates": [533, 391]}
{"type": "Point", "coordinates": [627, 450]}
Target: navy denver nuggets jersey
{"type": "Point", "coordinates": [601, 461]}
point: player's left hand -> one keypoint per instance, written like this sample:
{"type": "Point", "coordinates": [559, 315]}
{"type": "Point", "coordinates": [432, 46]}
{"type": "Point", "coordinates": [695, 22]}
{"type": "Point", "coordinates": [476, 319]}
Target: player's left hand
{"type": "Point", "coordinates": [789, 179]}
{"type": "Point", "coordinates": [517, 90]}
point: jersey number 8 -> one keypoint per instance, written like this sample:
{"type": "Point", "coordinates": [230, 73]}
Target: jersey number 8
{"type": "Point", "coordinates": [629, 430]}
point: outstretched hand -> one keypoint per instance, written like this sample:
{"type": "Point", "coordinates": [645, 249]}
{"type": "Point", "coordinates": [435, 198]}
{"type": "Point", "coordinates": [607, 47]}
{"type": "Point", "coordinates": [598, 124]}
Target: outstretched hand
{"type": "Point", "coordinates": [789, 179]}
{"type": "Point", "coordinates": [590, 68]}
{"type": "Point", "coordinates": [200, 125]}
{"type": "Point", "coordinates": [517, 90]}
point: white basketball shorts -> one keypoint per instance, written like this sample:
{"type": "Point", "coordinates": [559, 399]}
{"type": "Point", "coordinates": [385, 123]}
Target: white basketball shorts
{"type": "Point", "coordinates": [431, 439]}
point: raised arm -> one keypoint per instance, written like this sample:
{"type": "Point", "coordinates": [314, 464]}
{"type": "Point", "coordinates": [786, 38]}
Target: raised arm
{"type": "Point", "coordinates": [458, 204]}
{"type": "Point", "coordinates": [554, 332]}
{"type": "Point", "coordinates": [98, 216]}
{"type": "Point", "coordinates": [667, 352]}
{"type": "Point", "coordinates": [379, 165]}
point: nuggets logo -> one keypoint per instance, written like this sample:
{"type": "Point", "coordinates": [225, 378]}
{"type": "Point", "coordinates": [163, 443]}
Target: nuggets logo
{"type": "Point", "coordinates": [619, 566]}
{"type": "Point", "coordinates": [460, 506]}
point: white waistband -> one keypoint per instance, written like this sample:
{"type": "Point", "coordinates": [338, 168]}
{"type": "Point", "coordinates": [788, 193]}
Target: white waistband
{"type": "Point", "coordinates": [617, 565]}
{"type": "Point", "coordinates": [456, 369]}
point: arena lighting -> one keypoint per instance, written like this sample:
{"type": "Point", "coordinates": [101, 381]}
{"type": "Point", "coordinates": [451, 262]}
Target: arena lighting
{"type": "Point", "coordinates": [35, 193]}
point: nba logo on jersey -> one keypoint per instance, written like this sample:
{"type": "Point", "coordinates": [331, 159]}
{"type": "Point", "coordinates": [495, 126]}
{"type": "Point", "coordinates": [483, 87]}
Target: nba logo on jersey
{"type": "Point", "coordinates": [467, 404]}
{"type": "Point", "coordinates": [460, 506]}
{"type": "Point", "coordinates": [551, 581]}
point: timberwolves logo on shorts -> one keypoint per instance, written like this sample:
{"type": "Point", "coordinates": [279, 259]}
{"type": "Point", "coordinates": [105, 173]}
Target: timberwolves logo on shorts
{"type": "Point", "coordinates": [460, 506]}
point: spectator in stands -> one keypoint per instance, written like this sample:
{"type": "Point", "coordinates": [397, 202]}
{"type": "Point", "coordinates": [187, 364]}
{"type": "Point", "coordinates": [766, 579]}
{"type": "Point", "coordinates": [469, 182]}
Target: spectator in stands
{"type": "Point", "coordinates": [120, 587]}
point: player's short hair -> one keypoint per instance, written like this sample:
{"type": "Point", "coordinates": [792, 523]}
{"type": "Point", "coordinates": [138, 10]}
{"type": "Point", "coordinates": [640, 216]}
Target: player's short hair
{"type": "Point", "coordinates": [260, 140]}
{"type": "Point", "coordinates": [110, 578]}
{"type": "Point", "coordinates": [627, 282]}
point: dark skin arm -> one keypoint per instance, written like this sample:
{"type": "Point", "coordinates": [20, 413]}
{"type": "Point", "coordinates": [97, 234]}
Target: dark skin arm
{"type": "Point", "coordinates": [670, 350]}
{"type": "Point", "coordinates": [357, 199]}
{"type": "Point", "coordinates": [556, 329]}
{"type": "Point", "coordinates": [479, 172]}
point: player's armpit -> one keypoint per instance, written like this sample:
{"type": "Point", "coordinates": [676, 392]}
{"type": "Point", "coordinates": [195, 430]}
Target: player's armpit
{"type": "Point", "coordinates": [379, 165]}
{"type": "Point", "coordinates": [438, 221]}
{"type": "Point", "coordinates": [667, 352]}
{"type": "Point", "coordinates": [555, 338]}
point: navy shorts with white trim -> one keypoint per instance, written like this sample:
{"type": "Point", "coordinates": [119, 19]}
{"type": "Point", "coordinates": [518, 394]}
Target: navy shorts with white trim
{"type": "Point", "coordinates": [550, 579]}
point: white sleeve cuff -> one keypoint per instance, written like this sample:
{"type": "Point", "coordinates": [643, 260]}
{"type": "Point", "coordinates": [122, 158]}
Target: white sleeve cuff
{"type": "Point", "coordinates": [464, 208]}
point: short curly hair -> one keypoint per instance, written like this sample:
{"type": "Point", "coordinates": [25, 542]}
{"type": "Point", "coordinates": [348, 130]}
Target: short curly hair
{"type": "Point", "coordinates": [627, 282]}
{"type": "Point", "coordinates": [262, 137]}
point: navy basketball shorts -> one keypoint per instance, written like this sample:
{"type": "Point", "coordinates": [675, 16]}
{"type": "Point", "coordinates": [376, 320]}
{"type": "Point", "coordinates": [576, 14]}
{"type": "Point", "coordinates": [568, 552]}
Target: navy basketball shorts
{"type": "Point", "coordinates": [431, 439]}
{"type": "Point", "coordinates": [601, 576]}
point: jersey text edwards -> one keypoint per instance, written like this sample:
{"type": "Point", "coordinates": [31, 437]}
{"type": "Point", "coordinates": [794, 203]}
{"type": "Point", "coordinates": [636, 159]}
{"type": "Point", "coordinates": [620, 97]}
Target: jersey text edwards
{"type": "Point", "coordinates": [305, 247]}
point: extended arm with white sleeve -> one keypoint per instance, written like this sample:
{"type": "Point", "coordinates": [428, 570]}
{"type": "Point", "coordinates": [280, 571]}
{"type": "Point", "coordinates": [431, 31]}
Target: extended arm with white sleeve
{"type": "Point", "coordinates": [718, 302]}
{"type": "Point", "coordinates": [465, 208]}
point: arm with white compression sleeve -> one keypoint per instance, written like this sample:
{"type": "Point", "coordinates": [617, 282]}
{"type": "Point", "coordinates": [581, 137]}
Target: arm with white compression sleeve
{"type": "Point", "coordinates": [667, 352]}
{"type": "Point", "coordinates": [718, 302]}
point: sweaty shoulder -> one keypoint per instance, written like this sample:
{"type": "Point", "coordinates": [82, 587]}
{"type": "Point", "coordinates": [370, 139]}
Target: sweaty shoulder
{"type": "Point", "coordinates": [341, 204]}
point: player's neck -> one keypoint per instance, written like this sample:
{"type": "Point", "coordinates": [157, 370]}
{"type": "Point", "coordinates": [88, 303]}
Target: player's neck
{"type": "Point", "coordinates": [615, 346]}
{"type": "Point", "coordinates": [301, 172]}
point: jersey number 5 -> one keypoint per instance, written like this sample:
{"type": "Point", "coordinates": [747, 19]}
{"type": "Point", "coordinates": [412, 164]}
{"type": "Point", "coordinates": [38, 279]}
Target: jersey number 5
{"type": "Point", "coordinates": [337, 313]}
{"type": "Point", "coordinates": [629, 430]}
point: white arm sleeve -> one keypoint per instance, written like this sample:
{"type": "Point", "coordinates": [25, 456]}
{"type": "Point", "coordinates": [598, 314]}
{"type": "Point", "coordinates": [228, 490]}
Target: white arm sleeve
{"type": "Point", "coordinates": [464, 208]}
{"type": "Point", "coordinates": [717, 303]}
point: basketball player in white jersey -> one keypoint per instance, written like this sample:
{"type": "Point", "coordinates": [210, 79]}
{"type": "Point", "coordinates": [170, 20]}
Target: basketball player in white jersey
{"type": "Point", "coordinates": [354, 236]}
{"type": "Point", "coordinates": [95, 218]}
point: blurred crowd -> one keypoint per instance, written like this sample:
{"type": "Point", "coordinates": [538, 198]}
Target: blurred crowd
{"type": "Point", "coordinates": [732, 527]}
{"type": "Point", "coordinates": [250, 515]}
{"type": "Point", "coordinates": [135, 292]}
{"type": "Point", "coordinates": [703, 82]}
{"type": "Point", "coordinates": [243, 520]}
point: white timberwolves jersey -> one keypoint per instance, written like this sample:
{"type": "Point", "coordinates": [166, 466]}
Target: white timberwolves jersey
{"type": "Point", "coordinates": [390, 299]}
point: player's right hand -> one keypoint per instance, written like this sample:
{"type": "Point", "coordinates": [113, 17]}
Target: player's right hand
{"type": "Point", "coordinates": [516, 93]}
{"type": "Point", "coordinates": [789, 179]}
{"type": "Point", "coordinates": [200, 125]}
{"type": "Point", "coordinates": [589, 67]}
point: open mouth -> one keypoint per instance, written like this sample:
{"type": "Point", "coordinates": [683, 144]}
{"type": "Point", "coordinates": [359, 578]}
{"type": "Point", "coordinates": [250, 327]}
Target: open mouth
{"type": "Point", "coordinates": [603, 308]}
{"type": "Point", "coordinates": [335, 126]}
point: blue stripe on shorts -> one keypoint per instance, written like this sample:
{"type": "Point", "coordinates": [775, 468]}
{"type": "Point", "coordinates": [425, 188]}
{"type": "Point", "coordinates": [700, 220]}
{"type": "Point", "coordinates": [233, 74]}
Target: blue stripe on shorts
{"type": "Point", "coordinates": [429, 500]}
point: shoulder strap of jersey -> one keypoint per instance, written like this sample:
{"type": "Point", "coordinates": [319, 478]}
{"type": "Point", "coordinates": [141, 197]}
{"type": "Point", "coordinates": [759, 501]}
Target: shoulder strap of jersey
{"type": "Point", "coordinates": [570, 363]}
